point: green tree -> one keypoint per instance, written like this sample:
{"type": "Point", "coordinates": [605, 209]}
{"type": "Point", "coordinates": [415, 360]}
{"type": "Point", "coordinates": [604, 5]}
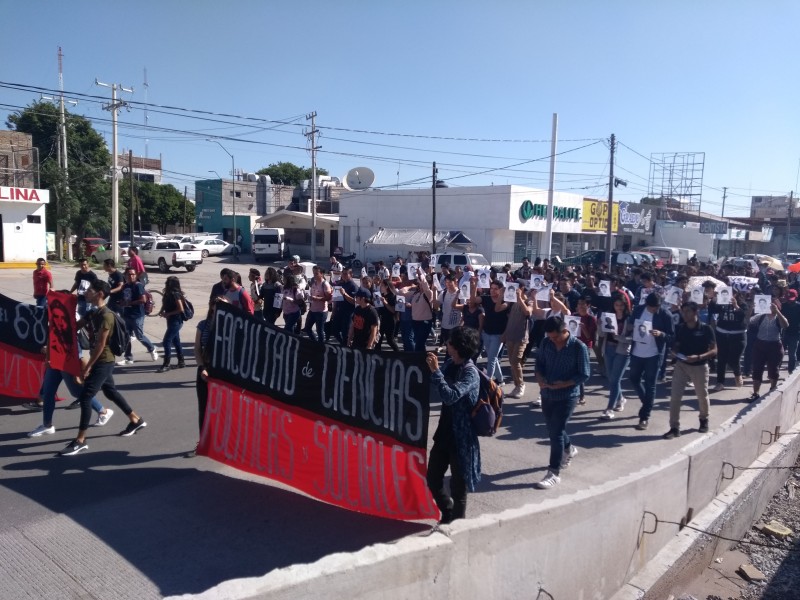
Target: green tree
{"type": "Point", "coordinates": [157, 205]}
{"type": "Point", "coordinates": [82, 202]}
{"type": "Point", "coordinates": [286, 173]}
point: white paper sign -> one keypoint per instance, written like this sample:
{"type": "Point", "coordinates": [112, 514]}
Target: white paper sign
{"type": "Point", "coordinates": [537, 281]}
{"type": "Point", "coordinates": [412, 270]}
{"type": "Point", "coordinates": [762, 304]}
{"type": "Point", "coordinates": [608, 322]}
{"type": "Point", "coordinates": [437, 284]}
{"type": "Point", "coordinates": [396, 270]}
{"type": "Point", "coordinates": [337, 294]}
{"type": "Point", "coordinates": [605, 288]}
{"type": "Point", "coordinates": [501, 277]}
{"type": "Point", "coordinates": [642, 333]}
{"type": "Point", "coordinates": [697, 294]}
{"type": "Point", "coordinates": [400, 306]}
{"type": "Point", "coordinates": [364, 272]}
{"type": "Point", "coordinates": [484, 278]}
{"type": "Point", "coordinates": [724, 295]}
{"type": "Point", "coordinates": [573, 325]}
{"type": "Point", "coordinates": [378, 300]}
{"type": "Point", "coordinates": [674, 296]}
{"type": "Point", "coordinates": [278, 301]}
{"type": "Point", "coordinates": [510, 294]}
{"type": "Point", "coordinates": [543, 294]}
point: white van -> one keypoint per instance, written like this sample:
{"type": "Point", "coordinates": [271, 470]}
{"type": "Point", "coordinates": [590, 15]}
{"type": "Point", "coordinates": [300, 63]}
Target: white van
{"type": "Point", "coordinates": [664, 255]}
{"type": "Point", "coordinates": [459, 259]}
{"type": "Point", "coordinates": [268, 242]}
{"type": "Point", "coordinates": [685, 255]}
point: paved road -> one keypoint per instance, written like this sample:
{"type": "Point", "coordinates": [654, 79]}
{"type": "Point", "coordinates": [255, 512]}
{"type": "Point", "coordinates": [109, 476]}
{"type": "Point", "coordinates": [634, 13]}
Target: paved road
{"type": "Point", "coordinates": [134, 518]}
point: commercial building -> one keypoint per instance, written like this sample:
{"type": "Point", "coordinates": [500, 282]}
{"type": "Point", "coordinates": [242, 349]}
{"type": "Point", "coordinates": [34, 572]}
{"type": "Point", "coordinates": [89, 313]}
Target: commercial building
{"type": "Point", "coordinates": [23, 236]}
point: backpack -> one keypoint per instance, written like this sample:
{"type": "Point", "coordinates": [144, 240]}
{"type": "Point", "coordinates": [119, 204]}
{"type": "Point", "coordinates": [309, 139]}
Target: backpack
{"type": "Point", "coordinates": [188, 309]}
{"type": "Point", "coordinates": [120, 338]}
{"type": "Point", "coordinates": [487, 414]}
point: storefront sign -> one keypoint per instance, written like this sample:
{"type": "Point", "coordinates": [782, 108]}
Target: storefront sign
{"type": "Point", "coordinates": [529, 210]}
{"type": "Point", "coordinates": [595, 216]}
{"type": "Point", "coordinates": [634, 218]}
{"type": "Point", "coordinates": [15, 194]}
{"type": "Point", "coordinates": [719, 227]}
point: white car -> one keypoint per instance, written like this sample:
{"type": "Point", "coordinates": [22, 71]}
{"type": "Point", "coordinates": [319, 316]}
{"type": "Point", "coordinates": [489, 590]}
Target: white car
{"type": "Point", "coordinates": [212, 247]}
{"type": "Point", "coordinates": [100, 255]}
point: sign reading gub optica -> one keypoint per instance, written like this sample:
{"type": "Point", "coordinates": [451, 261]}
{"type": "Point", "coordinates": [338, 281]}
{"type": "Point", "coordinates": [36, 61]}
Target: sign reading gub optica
{"type": "Point", "coordinates": [341, 425]}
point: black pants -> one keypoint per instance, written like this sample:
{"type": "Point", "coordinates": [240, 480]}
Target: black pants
{"type": "Point", "coordinates": [202, 397]}
{"type": "Point", "coordinates": [453, 505]}
{"type": "Point", "coordinates": [101, 377]}
{"type": "Point", "coordinates": [730, 347]}
{"type": "Point", "coordinates": [388, 332]}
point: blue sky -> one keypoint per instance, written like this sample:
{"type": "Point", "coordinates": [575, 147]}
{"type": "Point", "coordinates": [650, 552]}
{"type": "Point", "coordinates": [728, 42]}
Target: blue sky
{"type": "Point", "coordinates": [680, 76]}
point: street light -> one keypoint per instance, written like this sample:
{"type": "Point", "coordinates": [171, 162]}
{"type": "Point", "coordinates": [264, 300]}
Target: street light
{"type": "Point", "coordinates": [233, 186]}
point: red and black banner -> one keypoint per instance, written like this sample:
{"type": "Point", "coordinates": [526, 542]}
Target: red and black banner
{"type": "Point", "coordinates": [63, 338]}
{"type": "Point", "coordinates": [344, 426]}
{"type": "Point", "coordinates": [23, 334]}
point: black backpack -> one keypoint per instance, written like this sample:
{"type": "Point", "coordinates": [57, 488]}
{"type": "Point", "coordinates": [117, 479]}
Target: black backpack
{"type": "Point", "coordinates": [120, 338]}
{"type": "Point", "coordinates": [188, 309]}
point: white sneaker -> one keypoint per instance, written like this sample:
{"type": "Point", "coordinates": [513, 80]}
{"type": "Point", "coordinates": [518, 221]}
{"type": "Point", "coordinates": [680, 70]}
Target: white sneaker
{"type": "Point", "coordinates": [42, 430]}
{"type": "Point", "coordinates": [125, 361]}
{"type": "Point", "coordinates": [154, 354]}
{"type": "Point", "coordinates": [521, 391]}
{"type": "Point", "coordinates": [104, 417]}
{"type": "Point", "coordinates": [517, 392]}
{"type": "Point", "coordinates": [550, 480]}
{"type": "Point", "coordinates": [620, 406]}
{"type": "Point", "coordinates": [566, 460]}
{"type": "Point", "coordinates": [538, 402]}
{"type": "Point", "coordinates": [607, 415]}
{"type": "Point", "coordinates": [718, 388]}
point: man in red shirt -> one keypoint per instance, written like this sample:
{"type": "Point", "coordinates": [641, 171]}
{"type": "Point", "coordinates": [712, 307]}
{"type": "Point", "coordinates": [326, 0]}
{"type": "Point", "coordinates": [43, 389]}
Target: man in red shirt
{"type": "Point", "coordinates": [135, 263]}
{"type": "Point", "coordinates": [42, 282]}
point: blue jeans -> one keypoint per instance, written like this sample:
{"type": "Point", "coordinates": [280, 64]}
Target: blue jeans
{"type": "Point", "coordinates": [791, 340]}
{"type": "Point", "coordinates": [290, 320]}
{"type": "Point", "coordinates": [556, 414]}
{"type": "Point", "coordinates": [172, 338]}
{"type": "Point", "coordinates": [421, 329]}
{"type": "Point", "coordinates": [41, 301]}
{"type": "Point", "coordinates": [407, 333]}
{"type": "Point", "coordinates": [642, 375]}
{"type": "Point", "coordinates": [615, 369]}
{"type": "Point", "coordinates": [341, 323]}
{"type": "Point", "coordinates": [52, 379]}
{"type": "Point", "coordinates": [316, 319]}
{"type": "Point", "coordinates": [491, 344]}
{"type": "Point", "coordinates": [83, 306]}
{"type": "Point", "coordinates": [135, 327]}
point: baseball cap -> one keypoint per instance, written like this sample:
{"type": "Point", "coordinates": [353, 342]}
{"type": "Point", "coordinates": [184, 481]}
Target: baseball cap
{"type": "Point", "coordinates": [364, 293]}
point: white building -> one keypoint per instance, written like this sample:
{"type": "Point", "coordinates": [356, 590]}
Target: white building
{"type": "Point", "coordinates": [23, 236]}
{"type": "Point", "coordinates": [505, 222]}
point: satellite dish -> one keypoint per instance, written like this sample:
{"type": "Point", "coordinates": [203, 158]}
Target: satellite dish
{"type": "Point", "coordinates": [359, 178]}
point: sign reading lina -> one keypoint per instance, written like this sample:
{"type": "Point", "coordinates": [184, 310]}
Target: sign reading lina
{"type": "Point", "coordinates": [529, 210]}
{"type": "Point", "coordinates": [15, 194]}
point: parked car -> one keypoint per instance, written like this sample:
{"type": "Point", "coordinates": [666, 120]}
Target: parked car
{"type": "Point", "coordinates": [147, 235]}
{"type": "Point", "coordinates": [86, 247]}
{"type": "Point", "coordinates": [459, 259]}
{"type": "Point", "coordinates": [598, 257]}
{"type": "Point", "coordinates": [167, 253]}
{"type": "Point", "coordinates": [212, 247]}
{"type": "Point", "coordinates": [100, 255]}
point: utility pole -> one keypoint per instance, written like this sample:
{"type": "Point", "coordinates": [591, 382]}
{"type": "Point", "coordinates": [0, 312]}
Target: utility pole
{"type": "Point", "coordinates": [233, 190]}
{"type": "Point", "coordinates": [548, 233]}
{"type": "Point", "coordinates": [433, 221]}
{"type": "Point", "coordinates": [133, 197]}
{"type": "Point", "coordinates": [609, 216]}
{"type": "Point", "coordinates": [789, 224]}
{"type": "Point", "coordinates": [724, 197]}
{"type": "Point", "coordinates": [313, 135]}
{"type": "Point", "coordinates": [185, 200]}
{"type": "Point", "coordinates": [114, 108]}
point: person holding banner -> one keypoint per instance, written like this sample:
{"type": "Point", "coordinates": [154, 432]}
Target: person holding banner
{"type": "Point", "coordinates": [616, 350]}
{"type": "Point", "coordinates": [767, 348]}
{"type": "Point", "coordinates": [455, 445]}
{"type": "Point", "coordinates": [99, 369]}
{"type": "Point", "coordinates": [84, 277]}
{"type": "Point", "coordinates": [291, 303]}
{"type": "Point", "coordinates": [731, 331]}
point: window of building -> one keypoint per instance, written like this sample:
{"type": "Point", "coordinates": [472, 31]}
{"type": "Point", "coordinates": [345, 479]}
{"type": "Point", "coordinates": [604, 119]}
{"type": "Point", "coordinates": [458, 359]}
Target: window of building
{"type": "Point", "coordinates": [238, 194]}
{"type": "Point", "coordinates": [34, 219]}
{"type": "Point", "coordinates": [302, 237]}
{"type": "Point", "coordinates": [249, 194]}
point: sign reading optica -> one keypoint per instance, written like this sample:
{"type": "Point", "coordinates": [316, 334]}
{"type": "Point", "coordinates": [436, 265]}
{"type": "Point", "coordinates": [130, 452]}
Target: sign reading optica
{"type": "Point", "coordinates": [595, 216]}
{"type": "Point", "coordinates": [529, 210]}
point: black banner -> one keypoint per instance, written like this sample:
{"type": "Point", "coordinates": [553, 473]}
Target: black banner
{"type": "Point", "coordinates": [22, 326]}
{"type": "Point", "coordinates": [385, 393]}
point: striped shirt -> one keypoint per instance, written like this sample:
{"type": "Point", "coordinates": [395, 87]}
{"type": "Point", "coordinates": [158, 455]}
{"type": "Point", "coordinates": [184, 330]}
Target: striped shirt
{"type": "Point", "coordinates": [571, 363]}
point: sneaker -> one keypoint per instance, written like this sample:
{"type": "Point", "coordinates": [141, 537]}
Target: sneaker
{"type": "Point", "coordinates": [133, 428]}
{"type": "Point", "coordinates": [620, 406]}
{"type": "Point", "coordinates": [163, 369]}
{"type": "Point", "coordinates": [125, 361]}
{"type": "Point", "coordinates": [643, 424]}
{"type": "Point", "coordinates": [753, 397]}
{"type": "Point", "coordinates": [181, 364]}
{"type": "Point", "coordinates": [582, 401]}
{"type": "Point", "coordinates": [538, 402]}
{"type": "Point", "coordinates": [33, 405]}
{"type": "Point", "coordinates": [570, 452]}
{"type": "Point", "coordinates": [717, 388]}
{"type": "Point", "coordinates": [703, 426]}
{"type": "Point", "coordinates": [73, 405]}
{"type": "Point", "coordinates": [739, 382]}
{"type": "Point", "coordinates": [672, 433]}
{"type": "Point", "coordinates": [154, 354]}
{"type": "Point", "coordinates": [104, 417]}
{"type": "Point", "coordinates": [550, 480]}
{"type": "Point", "coordinates": [73, 448]}
{"type": "Point", "coordinates": [607, 415]}
{"type": "Point", "coordinates": [42, 430]}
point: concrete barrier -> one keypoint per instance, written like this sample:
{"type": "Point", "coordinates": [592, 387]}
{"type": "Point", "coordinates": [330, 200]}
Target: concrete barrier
{"type": "Point", "coordinates": [597, 543]}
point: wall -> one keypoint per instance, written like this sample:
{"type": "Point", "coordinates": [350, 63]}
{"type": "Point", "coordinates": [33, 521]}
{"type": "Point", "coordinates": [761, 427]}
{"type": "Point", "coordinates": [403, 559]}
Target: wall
{"type": "Point", "coordinates": [584, 545]}
{"type": "Point", "coordinates": [23, 241]}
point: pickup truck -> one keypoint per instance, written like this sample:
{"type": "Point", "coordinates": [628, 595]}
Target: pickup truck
{"type": "Point", "coordinates": [168, 253]}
